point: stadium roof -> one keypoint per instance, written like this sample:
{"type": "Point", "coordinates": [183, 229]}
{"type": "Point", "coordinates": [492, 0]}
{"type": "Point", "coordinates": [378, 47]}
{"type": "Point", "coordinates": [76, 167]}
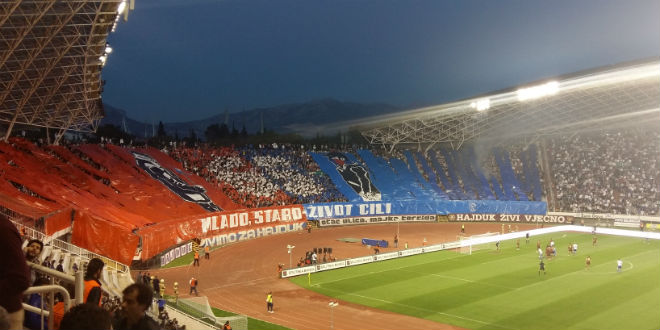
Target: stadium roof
{"type": "Point", "coordinates": [615, 96]}
{"type": "Point", "coordinates": [51, 55]}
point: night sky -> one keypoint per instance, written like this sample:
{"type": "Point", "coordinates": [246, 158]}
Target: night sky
{"type": "Point", "coordinates": [180, 60]}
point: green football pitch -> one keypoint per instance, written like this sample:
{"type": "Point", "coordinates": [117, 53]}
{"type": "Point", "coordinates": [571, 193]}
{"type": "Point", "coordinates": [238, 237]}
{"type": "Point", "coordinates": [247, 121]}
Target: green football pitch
{"type": "Point", "coordinates": [504, 290]}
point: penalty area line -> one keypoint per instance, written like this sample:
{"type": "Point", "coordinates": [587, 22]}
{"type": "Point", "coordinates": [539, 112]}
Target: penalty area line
{"type": "Point", "coordinates": [589, 272]}
{"type": "Point", "coordinates": [421, 309]}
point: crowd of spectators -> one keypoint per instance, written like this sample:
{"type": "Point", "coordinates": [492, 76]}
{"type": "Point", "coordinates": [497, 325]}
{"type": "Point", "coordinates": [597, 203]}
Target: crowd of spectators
{"type": "Point", "coordinates": [167, 323]}
{"type": "Point", "coordinates": [316, 256]}
{"type": "Point", "coordinates": [607, 172]}
{"type": "Point", "coordinates": [515, 152]}
{"type": "Point", "coordinates": [603, 172]}
{"type": "Point", "coordinates": [106, 307]}
{"type": "Point", "coordinates": [516, 161]}
{"type": "Point", "coordinates": [259, 176]}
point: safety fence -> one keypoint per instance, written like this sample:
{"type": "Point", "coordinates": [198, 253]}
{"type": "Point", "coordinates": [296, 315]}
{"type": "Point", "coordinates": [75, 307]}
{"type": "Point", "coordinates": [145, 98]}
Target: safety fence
{"type": "Point", "coordinates": [32, 233]}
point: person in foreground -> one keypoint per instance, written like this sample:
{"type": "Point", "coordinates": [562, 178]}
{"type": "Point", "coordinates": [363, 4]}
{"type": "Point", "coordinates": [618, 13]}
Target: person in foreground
{"type": "Point", "coordinates": [135, 302]}
{"type": "Point", "coordinates": [85, 317]}
{"type": "Point", "coordinates": [14, 273]}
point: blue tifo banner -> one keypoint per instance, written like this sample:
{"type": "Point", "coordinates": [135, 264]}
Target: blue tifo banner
{"type": "Point", "coordinates": [441, 207]}
{"type": "Point", "coordinates": [374, 242]}
{"type": "Point", "coordinates": [350, 176]}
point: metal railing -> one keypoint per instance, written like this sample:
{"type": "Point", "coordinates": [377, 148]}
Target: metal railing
{"type": "Point", "coordinates": [51, 289]}
{"type": "Point", "coordinates": [68, 247]}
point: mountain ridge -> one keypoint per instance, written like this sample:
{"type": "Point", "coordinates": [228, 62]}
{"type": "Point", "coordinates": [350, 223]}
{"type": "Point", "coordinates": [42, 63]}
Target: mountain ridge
{"type": "Point", "coordinates": [306, 118]}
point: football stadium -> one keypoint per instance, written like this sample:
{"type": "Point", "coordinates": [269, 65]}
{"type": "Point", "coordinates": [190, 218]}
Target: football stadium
{"type": "Point", "coordinates": [533, 206]}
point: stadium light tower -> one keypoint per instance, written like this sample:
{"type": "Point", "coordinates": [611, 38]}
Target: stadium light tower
{"type": "Point", "coordinates": [290, 248]}
{"type": "Point", "coordinates": [332, 305]}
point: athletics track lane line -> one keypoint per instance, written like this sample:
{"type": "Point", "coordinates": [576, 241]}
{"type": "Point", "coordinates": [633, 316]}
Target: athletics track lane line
{"type": "Point", "coordinates": [254, 281]}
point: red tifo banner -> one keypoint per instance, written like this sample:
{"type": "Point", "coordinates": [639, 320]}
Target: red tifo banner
{"type": "Point", "coordinates": [114, 201]}
{"type": "Point", "coordinates": [163, 235]}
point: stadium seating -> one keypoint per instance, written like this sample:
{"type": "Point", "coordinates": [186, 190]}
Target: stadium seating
{"type": "Point", "coordinates": [263, 176]}
{"type": "Point", "coordinates": [101, 185]}
{"type": "Point", "coordinates": [606, 172]}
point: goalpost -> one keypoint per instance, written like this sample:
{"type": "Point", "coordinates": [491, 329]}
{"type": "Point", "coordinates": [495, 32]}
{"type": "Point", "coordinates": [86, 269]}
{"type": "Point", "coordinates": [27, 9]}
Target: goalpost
{"type": "Point", "coordinates": [473, 243]}
{"type": "Point", "coordinates": [199, 307]}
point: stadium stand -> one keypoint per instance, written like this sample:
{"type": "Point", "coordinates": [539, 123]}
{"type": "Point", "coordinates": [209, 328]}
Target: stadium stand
{"type": "Point", "coordinates": [260, 176]}
{"type": "Point", "coordinates": [122, 197]}
{"type": "Point", "coordinates": [607, 172]}
{"type": "Point", "coordinates": [121, 202]}
{"type": "Point", "coordinates": [110, 191]}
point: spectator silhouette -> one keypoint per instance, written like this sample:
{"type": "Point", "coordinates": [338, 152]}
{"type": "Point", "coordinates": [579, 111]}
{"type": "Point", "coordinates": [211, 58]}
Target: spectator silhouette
{"type": "Point", "coordinates": [85, 317]}
{"type": "Point", "coordinates": [135, 302]}
{"type": "Point", "coordinates": [14, 273]}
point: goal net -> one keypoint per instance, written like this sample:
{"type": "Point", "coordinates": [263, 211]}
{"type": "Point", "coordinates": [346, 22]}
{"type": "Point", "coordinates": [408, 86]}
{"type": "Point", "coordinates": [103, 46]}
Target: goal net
{"type": "Point", "coordinates": [200, 308]}
{"type": "Point", "coordinates": [473, 243]}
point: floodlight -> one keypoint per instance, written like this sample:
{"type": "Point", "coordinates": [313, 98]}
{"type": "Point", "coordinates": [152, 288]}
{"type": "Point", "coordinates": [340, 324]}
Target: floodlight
{"type": "Point", "coordinates": [481, 105]}
{"type": "Point", "coordinates": [108, 49]}
{"type": "Point", "coordinates": [289, 249]}
{"type": "Point", "coordinates": [535, 92]}
{"type": "Point", "coordinates": [121, 8]}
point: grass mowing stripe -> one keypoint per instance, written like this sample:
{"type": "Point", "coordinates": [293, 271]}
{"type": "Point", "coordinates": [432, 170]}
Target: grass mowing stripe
{"type": "Point", "coordinates": [461, 279]}
{"type": "Point", "coordinates": [569, 304]}
{"type": "Point", "coordinates": [581, 271]}
{"type": "Point", "coordinates": [515, 304]}
{"type": "Point", "coordinates": [362, 270]}
{"type": "Point", "coordinates": [478, 287]}
{"type": "Point", "coordinates": [486, 257]}
{"type": "Point", "coordinates": [540, 297]}
{"type": "Point", "coordinates": [636, 311]}
{"type": "Point", "coordinates": [416, 308]}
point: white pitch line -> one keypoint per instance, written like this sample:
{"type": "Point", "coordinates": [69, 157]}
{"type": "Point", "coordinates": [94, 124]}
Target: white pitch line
{"type": "Point", "coordinates": [577, 272]}
{"type": "Point", "coordinates": [381, 271]}
{"type": "Point", "coordinates": [605, 273]}
{"type": "Point", "coordinates": [461, 279]}
{"type": "Point", "coordinates": [422, 309]}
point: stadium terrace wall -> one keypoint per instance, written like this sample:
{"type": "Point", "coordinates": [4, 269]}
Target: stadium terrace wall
{"type": "Point", "coordinates": [212, 227]}
{"type": "Point", "coordinates": [376, 219]}
{"type": "Point", "coordinates": [433, 207]}
{"type": "Point", "coordinates": [523, 218]}
{"type": "Point", "coordinates": [613, 220]}
{"type": "Point", "coordinates": [220, 228]}
{"type": "Point", "coordinates": [224, 238]}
